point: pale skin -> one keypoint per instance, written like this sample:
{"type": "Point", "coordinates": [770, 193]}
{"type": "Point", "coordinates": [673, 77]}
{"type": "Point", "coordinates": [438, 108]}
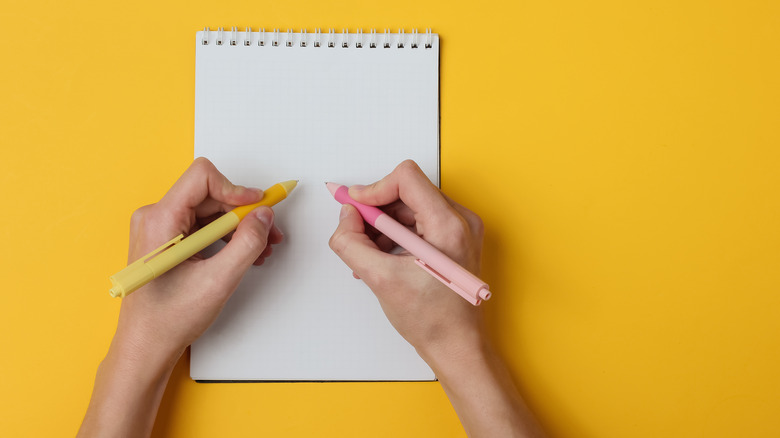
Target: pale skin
{"type": "Point", "coordinates": [158, 322]}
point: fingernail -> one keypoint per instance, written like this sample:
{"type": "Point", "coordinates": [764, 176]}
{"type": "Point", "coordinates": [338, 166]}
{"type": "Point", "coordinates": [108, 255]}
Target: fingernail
{"type": "Point", "coordinates": [257, 192]}
{"type": "Point", "coordinates": [265, 215]}
{"type": "Point", "coordinates": [343, 213]}
{"type": "Point", "coordinates": [241, 188]}
{"type": "Point", "coordinates": [358, 187]}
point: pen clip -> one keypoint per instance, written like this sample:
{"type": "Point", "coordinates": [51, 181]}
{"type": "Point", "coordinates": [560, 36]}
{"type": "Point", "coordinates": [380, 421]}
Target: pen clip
{"type": "Point", "coordinates": [452, 285]}
{"type": "Point", "coordinates": [162, 248]}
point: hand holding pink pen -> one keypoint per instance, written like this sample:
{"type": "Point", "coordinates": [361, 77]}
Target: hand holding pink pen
{"type": "Point", "coordinates": [447, 332]}
{"type": "Point", "coordinates": [441, 267]}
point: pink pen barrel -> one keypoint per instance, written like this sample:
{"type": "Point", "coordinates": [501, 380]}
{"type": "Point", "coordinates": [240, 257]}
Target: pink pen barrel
{"type": "Point", "coordinates": [434, 261]}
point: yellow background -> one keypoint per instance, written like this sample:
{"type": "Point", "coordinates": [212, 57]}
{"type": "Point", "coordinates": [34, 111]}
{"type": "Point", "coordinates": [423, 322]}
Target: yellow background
{"type": "Point", "coordinates": [631, 153]}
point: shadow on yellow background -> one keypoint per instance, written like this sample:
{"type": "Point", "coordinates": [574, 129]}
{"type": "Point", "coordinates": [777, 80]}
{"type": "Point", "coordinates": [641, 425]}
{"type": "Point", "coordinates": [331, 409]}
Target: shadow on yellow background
{"type": "Point", "coordinates": [630, 152]}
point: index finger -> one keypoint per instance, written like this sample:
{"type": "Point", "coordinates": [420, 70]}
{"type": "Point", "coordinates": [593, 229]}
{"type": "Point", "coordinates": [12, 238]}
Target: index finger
{"type": "Point", "coordinates": [202, 185]}
{"type": "Point", "coordinates": [406, 182]}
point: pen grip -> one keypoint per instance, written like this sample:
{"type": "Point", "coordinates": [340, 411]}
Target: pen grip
{"type": "Point", "coordinates": [271, 196]}
{"type": "Point", "coordinates": [369, 213]}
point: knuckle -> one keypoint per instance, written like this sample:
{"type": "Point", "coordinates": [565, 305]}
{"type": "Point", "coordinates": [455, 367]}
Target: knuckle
{"type": "Point", "coordinates": [202, 165]}
{"type": "Point", "coordinates": [477, 225]}
{"type": "Point", "coordinates": [372, 277]}
{"type": "Point", "coordinates": [408, 167]}
{"type": "Point", "coordinates": [454, 225]}
{"type": "Point", "coordinates": [138, 216]}
{"type": "Point", "coordinates": [456, 228]}
{"type": "Point", "coordinates": [336, 243]}
{"type": "Point", "coordinates": [255, 240]}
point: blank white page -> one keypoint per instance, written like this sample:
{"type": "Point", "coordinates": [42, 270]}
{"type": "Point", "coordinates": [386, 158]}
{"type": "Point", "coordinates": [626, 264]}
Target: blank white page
{"type": "Point", "coordinates": [265, 114]}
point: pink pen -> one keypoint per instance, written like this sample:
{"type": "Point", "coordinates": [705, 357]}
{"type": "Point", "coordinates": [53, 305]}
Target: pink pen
{"type": "Point", "coordinates": [429, 258]}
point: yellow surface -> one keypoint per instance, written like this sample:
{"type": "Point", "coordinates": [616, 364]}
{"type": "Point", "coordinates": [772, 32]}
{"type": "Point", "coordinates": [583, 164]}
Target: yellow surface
{"type": "Point", "coordinates": [633, 241]}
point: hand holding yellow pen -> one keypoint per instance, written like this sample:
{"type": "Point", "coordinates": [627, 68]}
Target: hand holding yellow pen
{"type": "Point", "coordinates": [179, 249]}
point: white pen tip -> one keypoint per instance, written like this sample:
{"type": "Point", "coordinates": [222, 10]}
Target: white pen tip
{"type": "Point", "coordinates": [332, 187]}
{"type": "Point", "coordinates": [288, 186]}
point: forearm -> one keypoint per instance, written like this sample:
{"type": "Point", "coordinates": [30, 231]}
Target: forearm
{"type": "Point", "coordinates": [129, 385]}
{"type": "Point", "coordinates": [482, 392]}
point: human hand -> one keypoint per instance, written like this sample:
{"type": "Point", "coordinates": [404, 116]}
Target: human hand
{"type": "Point", "coordinates": [175, 309]}
{"type": "Point", "coordinates": [158, 321]}
{"type": "Point", "coordinates": [429, 315]}
{"type": "Point", "coordinates": [445, 329]}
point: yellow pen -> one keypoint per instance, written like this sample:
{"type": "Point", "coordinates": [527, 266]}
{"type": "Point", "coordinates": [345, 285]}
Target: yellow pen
{"type": "Point", "coordinates": [179, 249]}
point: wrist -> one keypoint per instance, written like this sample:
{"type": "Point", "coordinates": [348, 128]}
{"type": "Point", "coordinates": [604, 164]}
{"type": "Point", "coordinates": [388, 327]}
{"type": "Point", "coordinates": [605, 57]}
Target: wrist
{"type": "Point", "coordinates": [128, 388]}
{"type": "Point", "coordinates": [142, 334]}
{"type": "Point", "coordinates": [482, 392]}
{"type": "Point", "coordinates": [455, 356]}
{"type": "Point", "coordinates": [140, 352]}
{"type": "Point", "coordinates": [134, 369]}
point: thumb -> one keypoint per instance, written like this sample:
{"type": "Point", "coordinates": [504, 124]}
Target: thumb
{"type": "Point", "coordinates": [246, 245]}
{"type": "Point", "coordinates": [356, 249]}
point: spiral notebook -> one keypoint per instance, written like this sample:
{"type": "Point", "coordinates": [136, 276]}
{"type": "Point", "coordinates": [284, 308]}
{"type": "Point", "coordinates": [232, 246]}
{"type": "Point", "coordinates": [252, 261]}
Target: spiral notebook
{"type": "Point", "coordinates": [333, 106]}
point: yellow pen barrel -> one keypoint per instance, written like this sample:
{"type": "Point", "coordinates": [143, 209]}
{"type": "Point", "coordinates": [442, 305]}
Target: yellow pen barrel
{"type": "Point", "coordinates": [138, 274]}
{"type": "Point", "coordinates": [130, 279]}
{"type": "Point", "coordinates": [193, 244]}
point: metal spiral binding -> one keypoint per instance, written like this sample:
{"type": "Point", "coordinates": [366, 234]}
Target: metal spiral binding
{"type": "Point", "coordinates": [289, 38]}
